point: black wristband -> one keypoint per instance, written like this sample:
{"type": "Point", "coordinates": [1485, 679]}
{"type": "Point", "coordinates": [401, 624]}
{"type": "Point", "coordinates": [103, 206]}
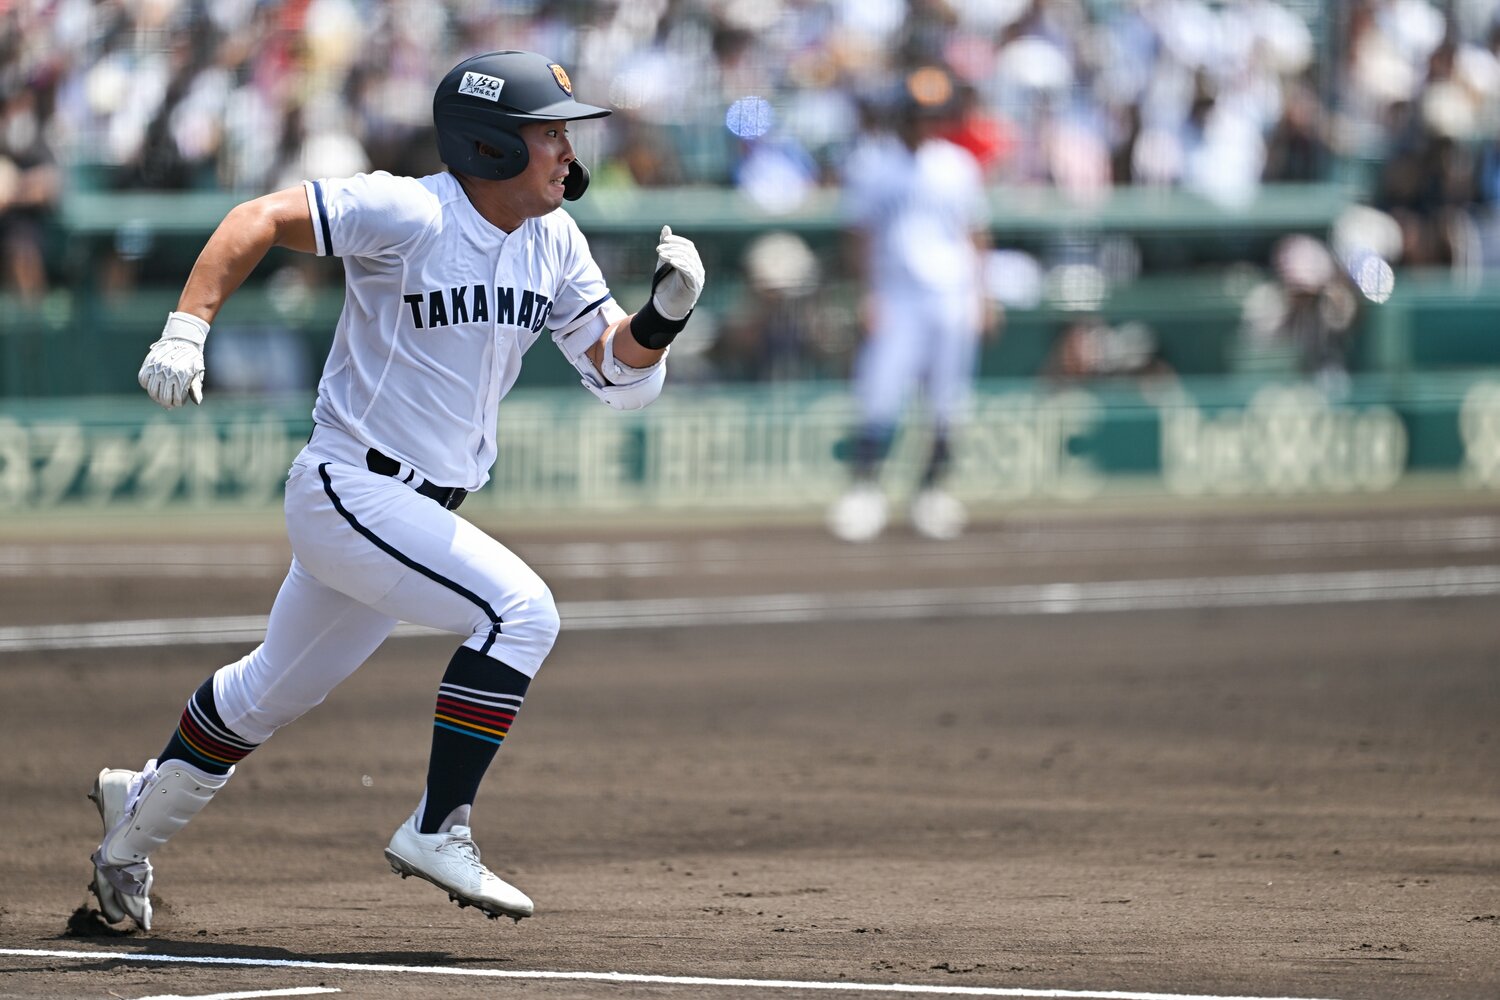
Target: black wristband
{"type": "Point", "coordinates": [654, 331]}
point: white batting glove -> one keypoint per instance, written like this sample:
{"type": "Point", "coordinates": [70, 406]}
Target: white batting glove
{"type": "Point", "coordinates": [173, 369]}
{"type": "Point", "coordinates": [676, 291]}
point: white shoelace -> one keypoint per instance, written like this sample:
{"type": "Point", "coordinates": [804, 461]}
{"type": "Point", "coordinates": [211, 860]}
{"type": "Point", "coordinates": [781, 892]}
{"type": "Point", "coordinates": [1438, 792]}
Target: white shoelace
{"type": "Point", "coordinates": [460, 843]}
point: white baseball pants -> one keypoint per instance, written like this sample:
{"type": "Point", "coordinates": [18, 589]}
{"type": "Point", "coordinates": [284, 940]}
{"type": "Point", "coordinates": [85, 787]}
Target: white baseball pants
{"type": "Point", "coordinates": [368, 552]}
{"type": "Point", "coordinates": [921, 338]}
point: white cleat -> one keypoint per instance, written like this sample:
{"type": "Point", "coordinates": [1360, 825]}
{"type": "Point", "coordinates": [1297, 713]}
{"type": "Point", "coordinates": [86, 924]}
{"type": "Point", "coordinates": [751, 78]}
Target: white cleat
{"type": "Point", "coordinates": [123, 890]}
{"type": "Point", "coordinates": [450, 861]}
{"type": "Point", "coordinates": [937, 515]}
{"type": "Point", "coordinates": [859, 515]}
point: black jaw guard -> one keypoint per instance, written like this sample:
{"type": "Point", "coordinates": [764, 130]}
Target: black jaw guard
{"type": "Point", "coordinates": [576, 182]}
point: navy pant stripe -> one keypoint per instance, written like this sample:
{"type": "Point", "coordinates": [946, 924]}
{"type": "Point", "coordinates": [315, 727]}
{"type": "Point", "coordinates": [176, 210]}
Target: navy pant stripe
{"type": "Point", "coordinates": [405, 560]}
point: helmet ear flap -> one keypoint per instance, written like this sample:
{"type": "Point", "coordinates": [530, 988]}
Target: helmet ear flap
{"type": "Point", "coordinates": [507, 156]}
{"type": "Point", "coordinates": [459, 143]}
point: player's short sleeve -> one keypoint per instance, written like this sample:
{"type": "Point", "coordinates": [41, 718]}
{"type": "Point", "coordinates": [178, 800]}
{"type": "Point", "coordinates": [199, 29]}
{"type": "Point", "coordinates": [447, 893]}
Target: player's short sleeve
{"type": "Point", "coordinates": [583, 305]}
{"type": "Point", "coordinates": [368, 215]}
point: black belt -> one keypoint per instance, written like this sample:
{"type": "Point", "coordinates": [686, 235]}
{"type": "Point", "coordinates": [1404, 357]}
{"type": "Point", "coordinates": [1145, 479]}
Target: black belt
{"type": "Point", "coordinates": [448, 496]}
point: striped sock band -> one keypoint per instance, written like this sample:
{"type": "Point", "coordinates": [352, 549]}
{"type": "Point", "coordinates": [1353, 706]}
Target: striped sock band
{"type": "Point", "coordinates": [202, 739]}
{"type": "Point", "coordinates": [480, 714]}
{"type": "Point", "coordinates": [476, 703]}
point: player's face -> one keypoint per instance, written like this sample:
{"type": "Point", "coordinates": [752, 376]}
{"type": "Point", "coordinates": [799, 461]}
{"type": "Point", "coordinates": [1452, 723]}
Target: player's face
{"type": "Point", "coordinates": [551, 152]}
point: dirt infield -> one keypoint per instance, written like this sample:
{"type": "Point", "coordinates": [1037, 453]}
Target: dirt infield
{"type": "Point", "coordinates": [1248, 798]}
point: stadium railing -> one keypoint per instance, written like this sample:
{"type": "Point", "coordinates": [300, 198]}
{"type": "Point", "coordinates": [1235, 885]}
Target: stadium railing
{"type": "Point", "coordinates": [1193, 306]}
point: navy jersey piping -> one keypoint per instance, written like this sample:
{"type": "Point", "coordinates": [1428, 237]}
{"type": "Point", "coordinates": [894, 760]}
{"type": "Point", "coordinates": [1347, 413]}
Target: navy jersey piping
{"type": "Point", "coordinates": [323, 219]}
{"type": "Point", "coordinates": [583, 312]}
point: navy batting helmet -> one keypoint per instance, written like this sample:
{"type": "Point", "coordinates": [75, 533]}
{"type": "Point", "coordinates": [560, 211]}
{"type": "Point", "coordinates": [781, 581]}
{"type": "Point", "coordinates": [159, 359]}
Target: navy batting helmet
{"type": "Point", "coordinates": [487, 98]}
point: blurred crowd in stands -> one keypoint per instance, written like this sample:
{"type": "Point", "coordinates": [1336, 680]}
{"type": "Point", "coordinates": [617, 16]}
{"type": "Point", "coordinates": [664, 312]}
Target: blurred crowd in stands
{"type": "Point", "coordinates": [1401, 97]}
{"type": "Point", "coordinates": [1083, 94]}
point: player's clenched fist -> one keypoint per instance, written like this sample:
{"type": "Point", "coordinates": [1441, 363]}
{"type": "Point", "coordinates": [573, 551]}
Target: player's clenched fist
{"type": "Point", "coordinates": [173, 369]}
{"type": "Point", "coordinates": [679, 276]}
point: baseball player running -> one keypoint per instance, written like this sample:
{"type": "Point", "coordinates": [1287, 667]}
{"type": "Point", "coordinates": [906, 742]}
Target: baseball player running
{"type": "Point", "coordinates": [918, 221]}
{"type": "Point", "coordinates": [449, 279]}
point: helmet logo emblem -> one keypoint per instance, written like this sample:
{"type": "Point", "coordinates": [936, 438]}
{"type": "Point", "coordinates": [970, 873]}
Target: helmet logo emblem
{"type": "Point", "coordinates": [481, 85]}
{"type": "Point", "coordinates": [561, 76]}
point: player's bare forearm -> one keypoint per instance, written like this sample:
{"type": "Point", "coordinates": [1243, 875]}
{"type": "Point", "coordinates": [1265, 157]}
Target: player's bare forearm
{"type": "Point", "coordinates": [991, 313]}
{"type": "Point", "coordinates": [240, 242]}
{"type": "Point", "coordinates": [857, 263]}
{"type": "Point", "coordinates": [627, 349]}
{"type": "Point", "coordinates": [857, 256]}
{"type": "Point", "coordinates": [631, 351]}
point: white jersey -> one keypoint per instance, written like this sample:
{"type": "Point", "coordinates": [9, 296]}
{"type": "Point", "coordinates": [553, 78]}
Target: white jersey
{"type": "Point", "coordinates": [439, 307]}
{"type": "Point", "coordinates": [920, 210]}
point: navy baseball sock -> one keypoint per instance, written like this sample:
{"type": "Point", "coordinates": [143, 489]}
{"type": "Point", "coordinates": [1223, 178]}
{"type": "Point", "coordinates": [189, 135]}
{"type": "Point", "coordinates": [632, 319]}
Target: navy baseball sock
{"type": "Point", "coordinates": [202, 739]}
{"type": "Point", "coordinates": [871, 446]}
{"type": "Point", "coordinates": [938, 460]}
{"type": "Point", "coordinates": [476, 703]}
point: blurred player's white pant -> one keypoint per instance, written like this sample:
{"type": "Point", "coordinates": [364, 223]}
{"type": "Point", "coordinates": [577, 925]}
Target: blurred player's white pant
{"type": "Point", "coordinates": [921, 338]}
{"type": "Point", "coordinates": [369, 552]}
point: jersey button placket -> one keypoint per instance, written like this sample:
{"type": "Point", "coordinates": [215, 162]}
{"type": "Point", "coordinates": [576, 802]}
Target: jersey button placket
{"type": "Point", "coordinates": [506, 275]}
{"type": "Point", "coordinates": [498, 335]}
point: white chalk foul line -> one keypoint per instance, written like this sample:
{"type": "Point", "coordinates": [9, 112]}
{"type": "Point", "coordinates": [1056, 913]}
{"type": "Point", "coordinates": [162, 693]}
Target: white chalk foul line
{"type": "Point", "coordinates": [942, 602]}
{"type": "Point", "coordinates": [295, 991]}
{"type": "Point", "coordinates": [624, 977]}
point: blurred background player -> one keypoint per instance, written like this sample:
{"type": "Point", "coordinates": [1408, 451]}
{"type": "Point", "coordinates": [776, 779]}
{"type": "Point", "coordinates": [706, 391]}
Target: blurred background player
{"type": "Point", "coordinates": [451, 277]}
{"type": "Point", "coordinates": [30, 183]}
{"type": "Point", "coordinates": [918, 218]}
